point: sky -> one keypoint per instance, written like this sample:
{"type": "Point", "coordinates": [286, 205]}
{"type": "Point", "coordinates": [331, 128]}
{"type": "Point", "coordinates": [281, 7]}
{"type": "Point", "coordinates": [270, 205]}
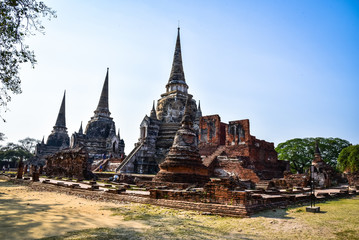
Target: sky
{"type": "Point", "coordinates": [290, 67]}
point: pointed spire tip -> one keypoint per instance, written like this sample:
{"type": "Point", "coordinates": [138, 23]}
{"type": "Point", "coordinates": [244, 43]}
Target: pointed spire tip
{"type": "Point", "coordinates": [102, 107]}
{"type": "Point", "coordinates": [177, 73]}
{"type": "Point", "coordinates": [61, 119]}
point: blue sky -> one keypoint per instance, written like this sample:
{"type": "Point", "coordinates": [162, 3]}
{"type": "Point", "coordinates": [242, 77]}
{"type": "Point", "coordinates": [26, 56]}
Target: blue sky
{"type": "Point", "coordinates": [290, 67]}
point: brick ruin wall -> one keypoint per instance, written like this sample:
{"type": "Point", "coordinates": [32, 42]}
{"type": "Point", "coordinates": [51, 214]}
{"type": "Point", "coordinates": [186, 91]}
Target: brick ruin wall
{"type": "Point", "coordinates": [243, 155]}
{"type": "Point", "coordinates": [218, 192]}
{"type": "Point", "coordinates": [291, 180]}
{"type": "Point", "coordinates": [212, 130]}
{"type": "Point", "coordinates": [72, 163]}
{"type": "Point", "coordinates": [233, 167]}
{"type": "Point", "coordinates": [224, 193]}
{"type": "Point", "coordinates": [237, 132]}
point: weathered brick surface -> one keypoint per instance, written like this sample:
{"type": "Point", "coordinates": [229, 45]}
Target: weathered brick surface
{"type": "Point", "coordinates": [299, 180]}
{"type": "Point", "coordinates": [234, 167]}
{"type": "Point", "coordinates": [291, 180]}
{"type": "Point", "coordinates": [240, 153]}
{"type": "Point", "coordinates": [225, 194]}
{"type": "Point", "coordinates": [71, 163]}
{"type": "Point", "coordinates": [224, 191]}
{"type": "Point", "coordinates": [237, 131]}
{"type": "Point", "coordinates": [211, 130]}
{"type": "Point", "coordinates": [224, 210]}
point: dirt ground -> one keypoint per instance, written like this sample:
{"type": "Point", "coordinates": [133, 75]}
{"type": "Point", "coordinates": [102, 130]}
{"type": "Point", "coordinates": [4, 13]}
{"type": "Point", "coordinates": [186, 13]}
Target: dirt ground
{"type": "Point", "coordinates": [26, 214]}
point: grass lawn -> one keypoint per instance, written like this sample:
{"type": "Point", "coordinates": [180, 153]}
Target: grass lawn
{"type": "Point", "coordinates": [339, 219]}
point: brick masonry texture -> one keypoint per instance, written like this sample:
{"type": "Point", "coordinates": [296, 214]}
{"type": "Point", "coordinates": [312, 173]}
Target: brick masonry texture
{"type": "Point", "coordinates": [230, 150]}
{"type": "Point", "coordinates": [72, 163]}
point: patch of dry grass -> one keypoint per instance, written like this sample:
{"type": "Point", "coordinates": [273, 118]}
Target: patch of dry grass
{"type": "Point", "coordinates": [47, 214]}
{"type": "Point", "coordinates": [339, 219]}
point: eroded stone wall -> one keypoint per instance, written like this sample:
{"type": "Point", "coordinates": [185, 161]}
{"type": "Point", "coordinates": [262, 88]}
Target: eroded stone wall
{"type": "Point", "coordinates": [72, 163]}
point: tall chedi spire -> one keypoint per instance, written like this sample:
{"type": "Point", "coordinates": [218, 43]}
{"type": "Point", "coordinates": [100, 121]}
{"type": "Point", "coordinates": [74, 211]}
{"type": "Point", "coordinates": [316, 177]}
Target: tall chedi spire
{"type": "Point", "coordinates": [59, 136]}
{"type": "Point", "coordinates": [158, 130]}
{"type": "Point", "coordinates": [102, 107]}
{"type": "Point", "coordinates": [177, 80]}
{"type": "Point", "coordinates": [61, 120]}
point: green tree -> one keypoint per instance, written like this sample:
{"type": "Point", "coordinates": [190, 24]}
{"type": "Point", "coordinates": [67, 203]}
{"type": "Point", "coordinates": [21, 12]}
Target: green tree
{"type": "Point", "coordinates": [300, 151]}
{"type": "Point", "coordinates": [29, 144]}
{"type": "Point", "coordinates": [18, 19]}
{"type": "Point", "coordinates": [12, 153]}
{"type": "Point", "coordinates": [348, 159]}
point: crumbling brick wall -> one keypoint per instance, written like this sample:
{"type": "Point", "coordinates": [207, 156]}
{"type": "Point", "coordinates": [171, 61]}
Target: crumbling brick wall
{"type": "Point", "coordinates": [229, 149]}
{"type": "Point", "coordinates": [261, 150]}
{"type": "Point", "coordinates": [237, 132]}
{"type": "Point", "coordinates": [299, 180]}
{"type": "Point", "coordinates": [211, 130]}
{"type": "Point", "coordinates": [234, 167]}
{"type": "Point", "coordinates": [72, 163]}
{"type": "Point", "coordinates": [224, 191]}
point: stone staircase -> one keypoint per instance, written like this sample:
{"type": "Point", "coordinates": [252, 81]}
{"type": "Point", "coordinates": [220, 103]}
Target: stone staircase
{"type": "Point", "coordinates": [166, 134]}
{"type": "Point", "coordinates": [129, 156]}
{"type": "Point", "coordinates": [207, 161]}
{"type": "Point", "coordinates": [102, 163]}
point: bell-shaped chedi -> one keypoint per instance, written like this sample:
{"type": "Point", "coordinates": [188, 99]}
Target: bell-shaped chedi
{"type": "Point", "coordinates": [183, 163]}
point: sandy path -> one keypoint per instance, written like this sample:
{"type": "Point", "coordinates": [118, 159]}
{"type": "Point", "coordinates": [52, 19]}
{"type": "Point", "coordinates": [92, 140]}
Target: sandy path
{"type": "Point", "coordinates": [29, 215]}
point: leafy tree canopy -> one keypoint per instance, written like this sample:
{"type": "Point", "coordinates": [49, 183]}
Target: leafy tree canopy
{"type": "Point", "coordinates": [29, 144]}
{"type": "Point", "coordinates": [18, 19]}
{"type": "Point", "coordinates": [300, 151]}
{"type": "Point", "coordinates": [13, 152]}
{"type": "Point", "coordinates": [348, 159]}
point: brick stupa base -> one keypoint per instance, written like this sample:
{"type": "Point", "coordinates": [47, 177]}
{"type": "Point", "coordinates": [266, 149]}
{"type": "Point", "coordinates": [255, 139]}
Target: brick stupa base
{"type": "Point", "coordinates": [183, 166]}
{"type": "Point", "coordinates": [183, 163]}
